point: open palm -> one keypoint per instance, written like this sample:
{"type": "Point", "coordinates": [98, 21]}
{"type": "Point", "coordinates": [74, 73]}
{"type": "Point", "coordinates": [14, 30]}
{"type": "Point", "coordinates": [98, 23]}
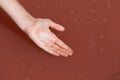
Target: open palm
{"type": "Point", "coordinates": [40, 33]}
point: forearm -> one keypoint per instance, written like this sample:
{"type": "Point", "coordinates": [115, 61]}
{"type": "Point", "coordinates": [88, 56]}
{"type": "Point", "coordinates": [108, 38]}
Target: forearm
{"type": "Point", "coordinates": [14, 9]}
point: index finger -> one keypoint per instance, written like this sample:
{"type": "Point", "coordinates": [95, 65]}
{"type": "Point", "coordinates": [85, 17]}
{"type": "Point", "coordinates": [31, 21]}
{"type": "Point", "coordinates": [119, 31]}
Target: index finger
{"type": "Point", "coordinates": [63, 45]}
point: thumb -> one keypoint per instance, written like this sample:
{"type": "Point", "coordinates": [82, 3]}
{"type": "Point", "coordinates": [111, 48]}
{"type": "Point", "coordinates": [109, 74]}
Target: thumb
{"type": "Point", "coordinates": [56, 26]}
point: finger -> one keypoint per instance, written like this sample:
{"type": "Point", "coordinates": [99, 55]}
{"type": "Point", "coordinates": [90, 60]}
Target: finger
{"type": "Point", "coordinates": [64, 46]}
{"type": "Point", "coordinates": [49, 49]}
{"type": "Point", "coordinates": [61, 45]}
{"type": "Point", "coordinates": [56, 26]}
{"type": "Point", "coordinates": [60, 50]}
{"type": "Point", "coordinates": [43, 46]}
{"type": "Point", "coordinates": [50, 44]}
{"type": "Point", "coordinates": [56, 50]}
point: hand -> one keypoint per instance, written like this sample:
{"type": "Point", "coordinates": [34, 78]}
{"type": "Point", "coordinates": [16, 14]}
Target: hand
{"type": "Point", "coordinates": [40, 33]}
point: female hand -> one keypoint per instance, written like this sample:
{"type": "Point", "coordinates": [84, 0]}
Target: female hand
{"type": "Point", "coordinates": [40, 33]}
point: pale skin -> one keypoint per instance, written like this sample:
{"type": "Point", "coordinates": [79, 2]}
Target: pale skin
{"type": "Point", "coordinates": [37, 29]}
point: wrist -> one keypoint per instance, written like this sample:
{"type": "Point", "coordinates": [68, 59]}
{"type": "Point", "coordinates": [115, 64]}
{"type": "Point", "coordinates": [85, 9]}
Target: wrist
{"type": "Point", "coordinates": [26, 23]}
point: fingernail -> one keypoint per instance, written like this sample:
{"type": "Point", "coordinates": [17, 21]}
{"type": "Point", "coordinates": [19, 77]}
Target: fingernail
{"type": "Point", "coordinates": [65, 55]}
{"type": "Point", "coordinates": [57, 55]}
{"type": "Point", "coordinates": [70, 54]}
